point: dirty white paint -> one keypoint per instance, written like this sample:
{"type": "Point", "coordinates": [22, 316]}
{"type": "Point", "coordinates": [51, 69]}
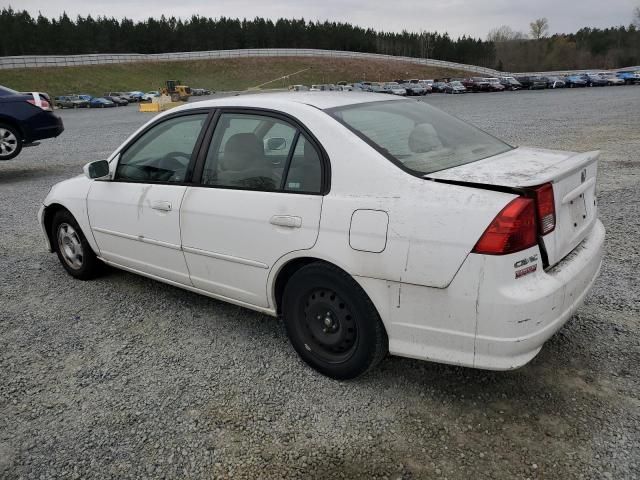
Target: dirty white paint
{"type": "Point", "coordinates": [408, 243]}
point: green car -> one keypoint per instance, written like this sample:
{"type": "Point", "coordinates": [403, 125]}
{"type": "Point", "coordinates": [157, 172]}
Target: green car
{"type": "Point", "coordinates": [70, 101]}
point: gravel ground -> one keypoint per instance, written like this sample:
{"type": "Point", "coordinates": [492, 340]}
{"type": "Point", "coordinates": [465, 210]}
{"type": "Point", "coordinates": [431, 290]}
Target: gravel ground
{"type": "Point", "coordinates": [124, 377]}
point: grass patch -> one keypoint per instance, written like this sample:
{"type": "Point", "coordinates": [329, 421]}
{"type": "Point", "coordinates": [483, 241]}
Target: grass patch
{"type": "Point", "coordinates": [219, 75]}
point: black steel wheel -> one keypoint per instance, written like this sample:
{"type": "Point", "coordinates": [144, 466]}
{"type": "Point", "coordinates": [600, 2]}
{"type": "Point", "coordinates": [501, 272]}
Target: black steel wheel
{"type": "Point", "coordinates": [328, 326]}
{"type": "Point", "coordinates": [331, 322]}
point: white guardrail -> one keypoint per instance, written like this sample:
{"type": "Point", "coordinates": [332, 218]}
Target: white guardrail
{"type": "Point", "coordinates": [40, 61]}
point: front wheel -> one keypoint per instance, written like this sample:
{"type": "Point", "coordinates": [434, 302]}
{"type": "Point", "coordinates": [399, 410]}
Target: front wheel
{"type": "Point", "coordinates": [73, 250]}
{"type": "Point", "coordinates": [332, 323]}
{"type": "Point", "coordinates": [10, 142]}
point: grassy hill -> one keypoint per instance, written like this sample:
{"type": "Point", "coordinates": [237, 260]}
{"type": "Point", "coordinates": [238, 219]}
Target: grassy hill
{"type": "Point", "coordinates": [224, 74]}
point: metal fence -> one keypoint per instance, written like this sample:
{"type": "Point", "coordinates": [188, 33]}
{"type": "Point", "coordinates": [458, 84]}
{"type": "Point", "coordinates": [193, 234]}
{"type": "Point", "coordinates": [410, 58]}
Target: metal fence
{"type": "Point", "coordinates": [40, 61]}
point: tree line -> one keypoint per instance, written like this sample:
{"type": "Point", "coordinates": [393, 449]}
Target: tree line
{"type": "Point", "coordinates": [22, 34]}
{"type": "Point", "coordinates": [587, 48]}
{"type": "Point", "coordinates": [504, 49]}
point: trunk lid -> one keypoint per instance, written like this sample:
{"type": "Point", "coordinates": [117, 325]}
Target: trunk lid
{"type": "Point", "coordinates": [573, 176]}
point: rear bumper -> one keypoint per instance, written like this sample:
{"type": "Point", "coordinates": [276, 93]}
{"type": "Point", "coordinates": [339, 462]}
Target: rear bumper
{"type": "Point", "coordinates": [514, 322]}
{"type": "Point", "coordinates": [44, 125]}
{"type": "Point", "coordinates": [486, 318]}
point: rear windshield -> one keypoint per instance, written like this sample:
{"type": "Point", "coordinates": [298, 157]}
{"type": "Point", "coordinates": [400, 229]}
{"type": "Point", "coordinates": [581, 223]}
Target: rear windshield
{"type": "Point", "coordinates": [417, 136]}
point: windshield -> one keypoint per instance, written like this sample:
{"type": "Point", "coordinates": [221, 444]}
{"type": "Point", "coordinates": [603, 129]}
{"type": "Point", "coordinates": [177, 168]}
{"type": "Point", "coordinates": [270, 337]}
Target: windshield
{"type": "Point", "coordinates": [456, 83]}
{"type": "Point", "coordinates": [417, 136]}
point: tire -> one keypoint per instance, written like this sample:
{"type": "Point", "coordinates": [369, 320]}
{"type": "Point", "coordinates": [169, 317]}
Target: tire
{"type": "Point", "coordinates": [332, 323]}
{"type": "Point", "coordinates": [10, 142]}
{"type": "Point", "coordinates": [75, 255]}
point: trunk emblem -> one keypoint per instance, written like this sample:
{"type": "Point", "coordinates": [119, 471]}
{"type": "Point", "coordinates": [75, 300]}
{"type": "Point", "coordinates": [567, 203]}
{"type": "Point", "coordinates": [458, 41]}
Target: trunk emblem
{"type": "Point", "coordinates": [583, 175]}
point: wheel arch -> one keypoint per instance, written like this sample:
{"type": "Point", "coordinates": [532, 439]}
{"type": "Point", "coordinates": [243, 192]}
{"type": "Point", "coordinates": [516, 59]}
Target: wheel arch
{"type": "Point", "coordinates": [13, 123]}
{"type": "Point", "coordinates": [48, 213]}
{"type": "Point", "coordinates": [289, 266]}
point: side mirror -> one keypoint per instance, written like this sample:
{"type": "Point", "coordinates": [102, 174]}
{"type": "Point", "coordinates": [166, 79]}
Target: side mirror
{"type": "Point", "coordinates": [97, 169]}
{"type": "Point", "coordinates": [276, 143]}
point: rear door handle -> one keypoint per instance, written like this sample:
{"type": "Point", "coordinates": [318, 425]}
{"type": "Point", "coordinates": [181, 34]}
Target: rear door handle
{"type": "Point", "coordinates": [286, 221]}
{"type": "Point", "coordinates": [161, 205]}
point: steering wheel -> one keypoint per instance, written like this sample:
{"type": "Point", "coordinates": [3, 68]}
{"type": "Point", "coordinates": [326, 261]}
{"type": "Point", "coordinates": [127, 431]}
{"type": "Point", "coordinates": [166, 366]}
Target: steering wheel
{"type": "Point", "coordinates": [172, 163]}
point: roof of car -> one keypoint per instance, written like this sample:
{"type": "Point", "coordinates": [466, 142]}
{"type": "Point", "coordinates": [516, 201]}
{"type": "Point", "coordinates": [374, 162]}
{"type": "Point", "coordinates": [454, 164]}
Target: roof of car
{"type": "Point", "coordinates": [320, 100]}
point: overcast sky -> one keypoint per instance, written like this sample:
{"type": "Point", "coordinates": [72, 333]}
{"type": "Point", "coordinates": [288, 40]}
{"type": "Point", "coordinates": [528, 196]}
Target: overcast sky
{"type": "Point", "coordinates": [458, 17]}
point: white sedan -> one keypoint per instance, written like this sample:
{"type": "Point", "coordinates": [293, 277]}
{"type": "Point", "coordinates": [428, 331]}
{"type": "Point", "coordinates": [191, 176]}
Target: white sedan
{"type": "Point", "coordinates": [369, 224]}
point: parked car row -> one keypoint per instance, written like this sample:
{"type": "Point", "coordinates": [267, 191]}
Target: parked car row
{"type": "Point", "coordinates": [109, 99]}
{"type": "Point", "coordinates": [481, 84]}
{"type": "Point", "coordinates": [113, 99]}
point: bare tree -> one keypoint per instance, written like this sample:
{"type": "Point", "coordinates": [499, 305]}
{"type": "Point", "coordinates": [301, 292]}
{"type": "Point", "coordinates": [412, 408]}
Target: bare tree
{"type": "Point", "coordinates": [539, 28]}
{"type": "Point", "coordinates": [636, 17]}
{"type": "Point", "coordinates": [504, 33]}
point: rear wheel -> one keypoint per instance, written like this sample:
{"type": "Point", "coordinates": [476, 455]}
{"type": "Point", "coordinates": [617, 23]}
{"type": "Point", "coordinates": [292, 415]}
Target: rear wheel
{"type": "Point", "coordinates": [332, 323]}
{"type": "Point", "coordinates": [10, 142]}
{"type": "Point", "coordinates": [73, 250]}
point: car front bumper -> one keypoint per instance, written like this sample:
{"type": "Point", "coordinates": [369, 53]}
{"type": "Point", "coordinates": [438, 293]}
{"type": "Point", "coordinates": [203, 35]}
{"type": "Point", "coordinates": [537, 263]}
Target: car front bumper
{"type": "Point", "coordinates": [47, 242]}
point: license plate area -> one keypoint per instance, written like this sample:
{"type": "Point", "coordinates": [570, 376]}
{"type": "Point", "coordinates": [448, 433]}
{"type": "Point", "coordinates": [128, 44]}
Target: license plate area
{"type": "Point", "coordinates": [578, 212]}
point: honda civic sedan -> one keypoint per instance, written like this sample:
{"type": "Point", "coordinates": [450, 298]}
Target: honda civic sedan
{"type": "Point", "coordinates": [369, 224]}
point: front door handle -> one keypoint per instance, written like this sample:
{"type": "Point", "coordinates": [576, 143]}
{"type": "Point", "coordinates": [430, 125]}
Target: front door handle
{"type": "Point", "coordinates": [161, 205]}
{"type": "Point", "coordinates": [286, 221]}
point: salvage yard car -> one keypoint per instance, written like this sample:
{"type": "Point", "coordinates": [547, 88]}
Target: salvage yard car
{"type": "Point", "coordinates": [118, 101]}
{"type": "Point", "coordinates": [370, 223]}
{"type": "Point", "coordinates": [394, 89]}
{"type": "Point", "coordinates": [24, 119]}
{"type": "Point", "coordinates": [455, 86]}
{"type": "Point", "coordinates": [510, 83]}
{"type": "Point", "coordinates": [99, 102]}
{"type": "Point", "coordinates": [70, 101]}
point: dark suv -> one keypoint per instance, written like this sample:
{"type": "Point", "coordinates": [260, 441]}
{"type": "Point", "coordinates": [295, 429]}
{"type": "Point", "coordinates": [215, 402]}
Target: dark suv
{"type": "Point", "coordinates": [476, 84]}
{"type": "Point", "coordinates": [533, 82]}
{"type": "Point", "coordinates": [25, 118]}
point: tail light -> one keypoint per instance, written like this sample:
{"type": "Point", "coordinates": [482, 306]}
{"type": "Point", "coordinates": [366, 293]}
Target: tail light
{"type": "Point", "coordinates": [43, 104]}
{"type": "Point", "coordinates": [513, 229]}
{"type": "Point", "coordinates": [546, 207]}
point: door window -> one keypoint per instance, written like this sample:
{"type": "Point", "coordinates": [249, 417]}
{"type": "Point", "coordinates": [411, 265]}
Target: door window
{"type": "Point", "coordinates": [163, 153]}
{"type": "Point", "coordinates": [248, 151]}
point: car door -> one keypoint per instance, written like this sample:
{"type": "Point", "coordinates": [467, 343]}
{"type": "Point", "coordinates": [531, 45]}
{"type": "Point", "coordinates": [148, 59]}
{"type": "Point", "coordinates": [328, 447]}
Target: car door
{"type": "Point", "coordinates": [135, 218]}
{"type": "Point", "coordinates": [259, 197]}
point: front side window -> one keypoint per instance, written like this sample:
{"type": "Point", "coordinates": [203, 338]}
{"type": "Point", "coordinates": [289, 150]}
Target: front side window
{"type": "Point", "coordinates": [248, 151]}
{"type": "Point", "coordinates": [163, 153]}
{"type": "Point", "coordinates": [418, 136]}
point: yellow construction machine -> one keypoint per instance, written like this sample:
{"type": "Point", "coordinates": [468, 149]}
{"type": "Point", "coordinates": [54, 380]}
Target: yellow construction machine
{"type": "Point", "coordinates": [177, 91]}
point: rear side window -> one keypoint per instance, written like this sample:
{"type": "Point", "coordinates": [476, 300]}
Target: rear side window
{"type": "Point", "coordinates": [305, 170]}
{"type": "Point", "coordinates": [248, 151]}
{"type": "Point", "coordinates": [163, 153]}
